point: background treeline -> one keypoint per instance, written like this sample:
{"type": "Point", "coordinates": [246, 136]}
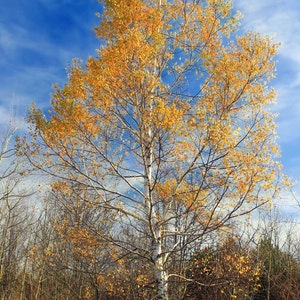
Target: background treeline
{"type": "Point", "coordinates": [52, 246]}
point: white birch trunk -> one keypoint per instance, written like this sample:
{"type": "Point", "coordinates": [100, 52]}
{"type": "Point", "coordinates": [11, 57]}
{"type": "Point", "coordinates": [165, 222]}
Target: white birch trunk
{"type": "Point", "coordinates": [160, 272]}
{"type": "Point", "coordinates": [158, 257]}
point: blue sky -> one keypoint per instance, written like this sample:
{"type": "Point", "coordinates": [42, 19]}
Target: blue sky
{"type": "Point", "coordinates": [39, 38]}
{"type": "Point", "coordinates": [281, 19]}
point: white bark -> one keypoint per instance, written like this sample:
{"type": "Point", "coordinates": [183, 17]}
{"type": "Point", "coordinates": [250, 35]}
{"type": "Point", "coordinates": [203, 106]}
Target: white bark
{"type": "Point", "coordinates": [158, 257]}
{"type": "Point", "coordinates": [160, 272]}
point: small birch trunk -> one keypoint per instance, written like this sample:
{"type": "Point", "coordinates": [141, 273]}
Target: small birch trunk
{"type": "Point", "coordinates": [160, 273]}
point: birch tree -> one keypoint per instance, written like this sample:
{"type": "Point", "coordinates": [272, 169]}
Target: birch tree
{"type": "Point", "coordinates": [168, 127]}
